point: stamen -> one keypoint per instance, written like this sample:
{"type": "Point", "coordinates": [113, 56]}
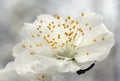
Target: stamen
{"type": "Point", "coordinates": [94, 40]}
{"type": "Point", "coordinates": [32, 53]}
{"type": "Point", "coordinates": [33, 36]}
{"type": "Point", "coordinates": [82, 14]}
{"type": "Point", "coordinates": [23, 46]}
{"type": "Point", "coordinates": [102, 38]}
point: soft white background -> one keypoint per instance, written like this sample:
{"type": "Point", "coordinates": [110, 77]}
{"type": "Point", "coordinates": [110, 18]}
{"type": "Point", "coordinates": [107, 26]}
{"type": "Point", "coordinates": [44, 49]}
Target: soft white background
{"type": "Point", "coordinates": [13, 13]}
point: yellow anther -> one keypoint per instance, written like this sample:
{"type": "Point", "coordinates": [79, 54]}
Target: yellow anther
{"type": "Point", "coordinates": [74, 27]}
{"type": "Point", "coordinates": [66, 34]}
{"type": "Point", "coordinates": [90, 28]}
{"type": "Point", "coordinates": [33, 36]}
{"type": "Point", "coordinates": [80, 29]}
{"type": "Point", "coordinates": [58, 36]}
{"type": "Point", "coordinates": [70, 39]}
{"type": "Point", "coordinates": [70, 29]}
{"type": "Point", "coordinates": [52, 22]}
{"type": "Point", "coordinates": [49, 24]}
{"type": "Point", "coordinates": [53, 38]}
{"type": "Point", "coordinates": [58, 17]}
{"type": "Point", "coordinates": [37, 28]}
{"type": "Point", "coordinates": [74, 37]}
{"type": "Point", "coordinates": [38, 35]}
{"type": "Point", "coordinates": [103, 38]}
{"type": "Point", "coordinates": [83, 34]}
{"type": "Point", "coordinates": [71, 44]}
{"type": "Point", "coordinates": [82, 14]}
{"type": "Point", "coordinates": [66, 20]}
{"type": "Point", "coordinates": [72, 22]}
{"type": "Point", "coordinates": [52, 31]}
{"type": "Point", "coordinates": [40, 31]}
{"type": "Point", "coordinates": [75, 46]}
{"type": "Point", "coordinates": [44, 37]}
{"type": "Point", "coordinates": [49, 27]}
{"type": "Point", "coordinates": [55, 42]}
{"type": "Point", "coordinates": [58, 25]}
{"type": "Point", "coordinates": [63, 25]}
{"type": "Point", "coordinates": [67, 41]}
{"type": "Point", "coordinates": [32, 53]}
{"type": "Point", "coordinates": [53, 26]}
{"type": "Point", "coordinates": [48, 35]}
{"type": "Point", "coordinates": [94, 40]}
{"type": "Point", "coordinates": [23, 46]}
{"type": "Point", "coordinates": [62, 44]}
{"type": "Point", "coordinates": [86, 24]}
{"type": "Point", "coordinates": [37, 45]}
{"type": "Point", "coordinates": [68, 17]}
{"type": "Point", "coordinates": [30, 46]}
{"type": "Point", "coordinates": [77, 22]}
{"type": "Point", "coordinates": [43, 76]}
{"type": "Point", "coordinates": [87, 53]}
{"type": "Point", "coordinates": [70, 33]}
{"type": "Point", "coordinates": [67, 26]}
{"type": "Point", "coordinates": [41, 21]}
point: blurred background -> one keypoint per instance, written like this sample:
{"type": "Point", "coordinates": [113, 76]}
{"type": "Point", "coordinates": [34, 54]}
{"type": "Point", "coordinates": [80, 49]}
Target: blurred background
{"type": "Point", "coordinates": [14, 13]}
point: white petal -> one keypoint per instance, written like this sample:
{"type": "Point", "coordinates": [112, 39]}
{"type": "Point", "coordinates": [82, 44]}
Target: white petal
{"type": "Point", "coordinates": [93, 19]}
{"type": "Point", "coordinates": [20, 48]}
{"type": "Point", "coordinates": [68, 66]}
{"type": "Point", "coordinates": [96, 45]}
{"type": "Point", "coordinates": [26, 48]}
{"type": "Point", "coordinates": [33, 64]}
{"type": "Point", "coordinates": [9, 74]}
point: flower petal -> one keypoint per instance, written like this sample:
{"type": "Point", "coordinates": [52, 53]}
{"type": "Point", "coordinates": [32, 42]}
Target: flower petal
{"type": "Point", "coordinates": [91, 18]}
{"type": "Point", "coordinates": [33, 64]}
{"type": "Point", "coordinates": [96, 46]}
{"type": "Point", "coordinates": [9, 74]}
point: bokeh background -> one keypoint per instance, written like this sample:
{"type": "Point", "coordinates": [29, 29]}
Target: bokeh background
{"type": "Point", "coordinates": [14, 13]}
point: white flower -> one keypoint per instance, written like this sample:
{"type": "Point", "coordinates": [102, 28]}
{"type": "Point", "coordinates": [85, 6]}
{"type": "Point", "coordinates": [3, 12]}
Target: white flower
{"type": "Point", "coordinates": [68, 44]}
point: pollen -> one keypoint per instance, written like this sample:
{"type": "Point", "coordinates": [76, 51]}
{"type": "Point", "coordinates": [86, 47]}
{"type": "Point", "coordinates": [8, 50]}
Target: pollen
{"type": "Point", "coordinates": [30, 46]}
{"type": "Point", "coordinates": [94, 40]}
{"type": "Point", "coordinates": [37, 28]}
{"type": "Point", "coordinates": [52, 22]}
{"type": "Point", "coordinates": [23, 46]}
{"type": "Point", "coordinates": [75, 46]}
{"type": "Point", "coordinates": [83, 34]}
{"type": "Point", "coordinates": [38, 35]}
{"type": "Point", "coordinates": [82, 14]}
{"type": "Point", "coordinates": [40, 31]}
{"type": "Point", "coordinates": [68, 17]}
{"type": "Point", "coordinates": [77, 22]}
{"type": "Point", "coordinates": [58, 25]}
{"type": "Point", "coordinates": [37, 45]}
{"type": "Point", "coordinates": [103, 38]}
{"type": "Point", "coordinates": [90, 28]}
{"type": "Point", "coordinates": [86, 24]}
{"type": "Point", "coordinates": [74, 27]}
{"type": "Point", "coordinates": [58, 36]}
{"type": "Point", "coordinates": [32, 53]}
{"type": "Point", "coordinates": [41, 21]}
{"type": "Point", "coordinates": [48, 35]}
{"type": "Point", "coordinates": [33, 36]}
{"type": "Point", "coordinates": [87, 53]}
{"type": "Point", "coordinates": [58, 17]}
{"type": "Point", "coordinates": [72, 22]}
{"type": "Point", "coordinates": [43, 76]}
{"type": "Point", "coordinates": [62, 44]}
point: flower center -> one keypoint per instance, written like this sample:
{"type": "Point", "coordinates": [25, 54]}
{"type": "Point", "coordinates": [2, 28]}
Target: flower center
{"type": "Point", "coordinates": [66, 52]}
